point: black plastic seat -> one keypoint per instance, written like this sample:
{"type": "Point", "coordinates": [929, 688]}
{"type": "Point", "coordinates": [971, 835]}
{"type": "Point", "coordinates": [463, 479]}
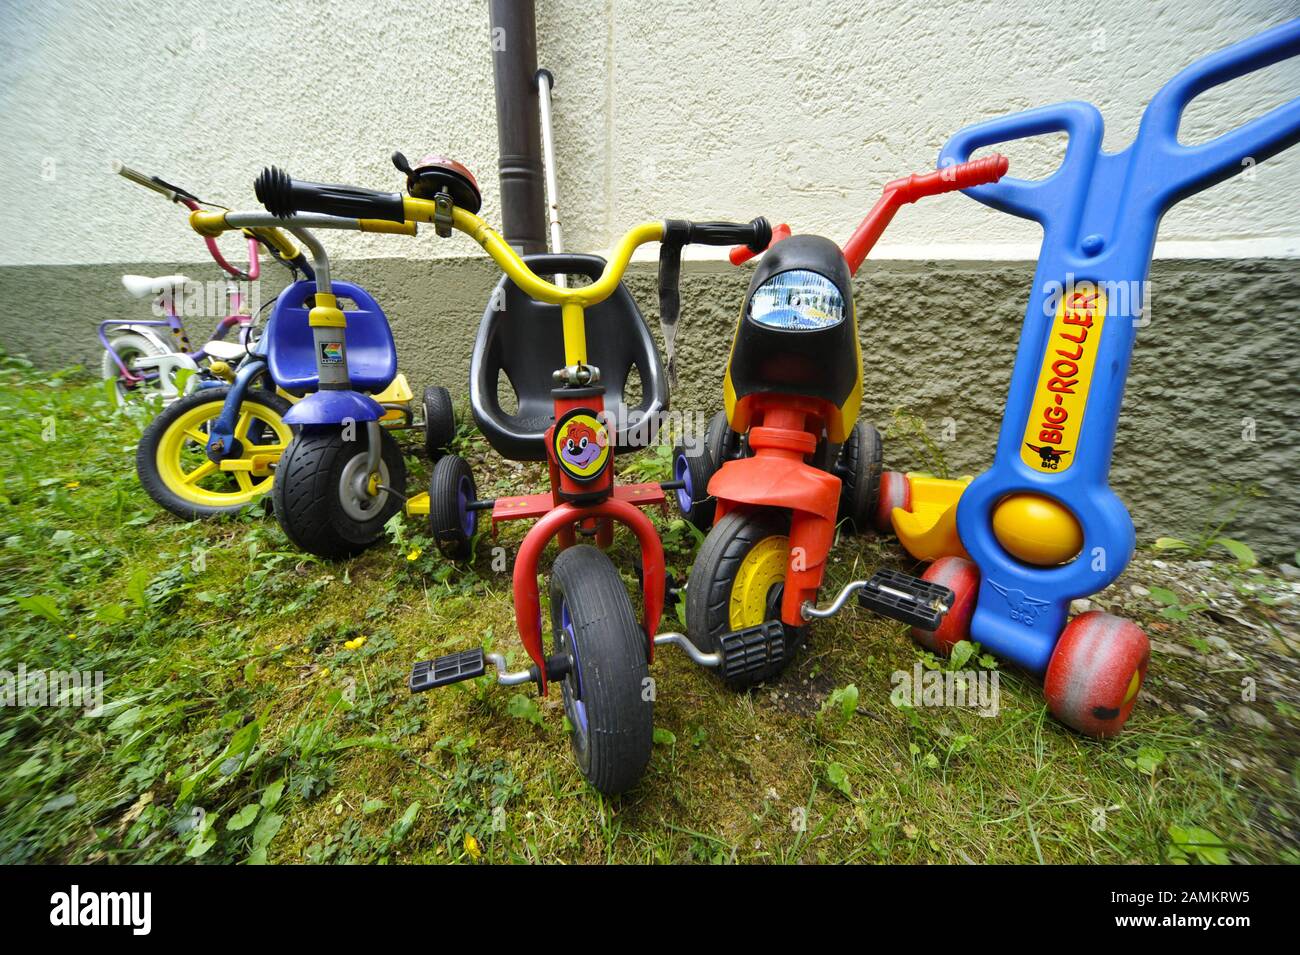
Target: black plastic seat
{"type": "Point", "coordinates": [522, 340]}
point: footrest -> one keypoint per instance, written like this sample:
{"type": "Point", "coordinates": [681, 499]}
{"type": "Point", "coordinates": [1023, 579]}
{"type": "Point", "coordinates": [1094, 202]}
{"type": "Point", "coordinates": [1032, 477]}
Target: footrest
{"type": "Point", "coordinates": [752, 649]}
{"type": "Point", "coordinates": [900, 596]}
{"type": "Point", "coordinates": [444, 670]}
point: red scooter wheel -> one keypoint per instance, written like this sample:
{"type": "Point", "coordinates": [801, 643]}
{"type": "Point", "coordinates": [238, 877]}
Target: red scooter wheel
{"type": "Point", "coordinates": [963, 578]}
{"type": "Point", "coordinates": [895, 491]}
{"type": "Point", "coordinates": [1095, 673]}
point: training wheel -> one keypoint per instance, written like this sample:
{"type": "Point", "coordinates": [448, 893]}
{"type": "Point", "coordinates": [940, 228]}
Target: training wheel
{"type": "Point", "coordinates": [694, 467]}
{"type": "Point", "coordinates": [1095, 673]}
{"type": "Point", "coordinates": [895, 491]}
{"type": "Point", "coordinates": [963, 578]}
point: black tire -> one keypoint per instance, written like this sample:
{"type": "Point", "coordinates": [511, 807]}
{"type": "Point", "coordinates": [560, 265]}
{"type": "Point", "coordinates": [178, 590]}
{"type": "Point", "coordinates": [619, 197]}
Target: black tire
{"type": "Point", "coordinates": [439, 421]}
{"type": "Point", "coordinates": [708, 593]}
{"type": "Point", "coordinates": [693, 464]}
{"type": "Point", "coordinates": [859, 467]}
{"type": "Point", "coordinates": [605, 691]}
{"type": "Point", "coordinates": [723, 443]}
{"type": "Point", "coordinates": [308, 491]}
{"type": "Point", "coordinates": [146, 452]}
{"type": "Point", "coordinates": [450, 522]}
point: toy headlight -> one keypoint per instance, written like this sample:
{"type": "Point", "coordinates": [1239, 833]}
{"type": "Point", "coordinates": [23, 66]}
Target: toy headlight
{"type": "Point", "coordinates": [798, 300]}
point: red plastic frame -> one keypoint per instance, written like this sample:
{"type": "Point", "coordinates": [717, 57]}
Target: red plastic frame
{"type": "Point", "coordinates": [558, 518]}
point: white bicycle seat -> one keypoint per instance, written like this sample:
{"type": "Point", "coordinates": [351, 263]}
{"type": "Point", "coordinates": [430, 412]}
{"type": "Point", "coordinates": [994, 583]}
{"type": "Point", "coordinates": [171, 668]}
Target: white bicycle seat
{"type": "Point", "coordinates": [142, 286]}
{"type": "Point", "coordinates": [224, 351]}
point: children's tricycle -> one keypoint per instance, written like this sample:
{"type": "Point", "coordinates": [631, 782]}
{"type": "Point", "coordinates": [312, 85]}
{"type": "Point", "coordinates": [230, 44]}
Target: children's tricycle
{"type": "Point", "coordinates": [568, 374]}
{"type": "Point", "coordinates": [151, 354]}
{"type": "Point", "coordinates": [792, 393]}
{"type": "Point", "coordinates": [217, 449]}
{"type": "Point", "coordinates": [1042, 527]}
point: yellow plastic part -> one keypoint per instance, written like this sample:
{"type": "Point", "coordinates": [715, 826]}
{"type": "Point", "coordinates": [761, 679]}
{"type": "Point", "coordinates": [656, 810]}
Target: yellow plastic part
{"type": "Point", "coordinates": [575, 334]}
{"type": "Point", "coordinates": [284, 246]}
{"type": "Point", "coordinates": [418, 505]}
{"type": "Point", "coordinates": [208, 222]}
{"type": "Point", "coordinates": [929, 530]}
{"type": "Point", "coordinates": [251, 472]}
{"type": "Point", "coordinates": [762, 569]}
{"type": "Point", "coordinates": [1037, 530]}
{"type": "Point", "coordinates": [326, 313]}
{"type": "Point", "coordinates": [398, 392]}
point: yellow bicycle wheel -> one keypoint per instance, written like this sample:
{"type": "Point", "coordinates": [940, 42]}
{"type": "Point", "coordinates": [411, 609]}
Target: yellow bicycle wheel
{"type": "Point", "coordinates": [174, 467]}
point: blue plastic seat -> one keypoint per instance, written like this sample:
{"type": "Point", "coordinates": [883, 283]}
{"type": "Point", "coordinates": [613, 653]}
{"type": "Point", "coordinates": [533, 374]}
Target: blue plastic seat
{"type": "Point", "coordinates": [291, 354]}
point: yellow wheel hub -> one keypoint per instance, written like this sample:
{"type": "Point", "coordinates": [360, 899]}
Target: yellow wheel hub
{"type": "Point", "coordinates": [762, 569]}
{"type": "Point", "coordinates": [184, 466]}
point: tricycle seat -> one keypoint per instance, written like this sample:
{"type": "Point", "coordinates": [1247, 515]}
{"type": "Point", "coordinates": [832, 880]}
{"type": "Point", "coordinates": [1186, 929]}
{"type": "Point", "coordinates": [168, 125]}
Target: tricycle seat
{"type": "Point", "coordinates": [522, 341]}
{"type": "Point", "coordinates": [291, 352]}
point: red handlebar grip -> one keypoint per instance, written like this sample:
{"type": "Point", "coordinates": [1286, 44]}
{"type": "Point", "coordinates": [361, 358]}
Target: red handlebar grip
{"type": "Point", "coordinates": [976, 172]}
{"type": "Point", "coordinates": [740, 254]}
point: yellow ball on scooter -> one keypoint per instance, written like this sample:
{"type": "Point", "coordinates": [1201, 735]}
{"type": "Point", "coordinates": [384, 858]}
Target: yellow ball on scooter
{"type": "Point", "coordinates": [1037, 530]}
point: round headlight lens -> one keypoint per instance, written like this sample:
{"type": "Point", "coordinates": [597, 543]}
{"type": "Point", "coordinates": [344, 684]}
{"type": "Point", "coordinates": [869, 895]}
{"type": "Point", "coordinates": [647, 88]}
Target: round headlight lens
{"type": "Point", "coordinates": [798, 300]}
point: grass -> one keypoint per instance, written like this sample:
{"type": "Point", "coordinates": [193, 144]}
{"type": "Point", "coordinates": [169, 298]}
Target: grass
{"type": "Point", "coordinates": [245, 720]}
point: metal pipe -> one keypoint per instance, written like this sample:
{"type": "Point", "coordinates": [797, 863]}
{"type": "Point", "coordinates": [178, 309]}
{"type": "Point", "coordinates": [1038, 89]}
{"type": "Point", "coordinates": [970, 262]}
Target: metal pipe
{"type": "Point", "coordinates": [504, 676]}
{"type": "Point", "coordinates": [545, 83]}
{"type": "Point", "coordinates": [514, 66]}
{"type": "Point", "coordinates": [810, 610]}
{"type": "Point", "coordinates": [684, 642]}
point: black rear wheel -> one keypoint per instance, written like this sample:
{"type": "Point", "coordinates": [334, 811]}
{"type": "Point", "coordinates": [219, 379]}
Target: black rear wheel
{"type": "Point", "coordinates": [737, 581]}
{"type": "Point", "coordinates": [606, 698]}
{"type": "Point", "coordinates": [324, 500]}
{"type": "Point", "coordinates": [694, 467]}
{"type": "Point", "coordinates": [439, 421]}
{"type": "Point", "coordinates": [860, 462]}
{"type": "Point", "coordinates": [451, 522]}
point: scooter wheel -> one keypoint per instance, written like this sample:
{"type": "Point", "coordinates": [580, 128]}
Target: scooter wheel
{"type": "Point", "coordinates": [451, 522]}
{"type": "Point", "coordinates": [963, 578]}
{"type": "Point", "coordinates": [693, 465]}
{"type": "Point", "coordinates": [737, 581]}
{"type": "Point", "coordinates": [172, 463]}
{"type": "Point", "coordinates": [860, 472]}
{"type": "Point", "coordinates": [895, 491]}
{"type": "Point", "coordinates": [439, 421]}
{"type": "Point", "coordinates": [723, 443]}
{"type": "Point", "coordinates": [611, 719]}
{"type": "Point", "coordinates": [1095, 673]}
{"type": "Point", "coordinates": [316, 499]}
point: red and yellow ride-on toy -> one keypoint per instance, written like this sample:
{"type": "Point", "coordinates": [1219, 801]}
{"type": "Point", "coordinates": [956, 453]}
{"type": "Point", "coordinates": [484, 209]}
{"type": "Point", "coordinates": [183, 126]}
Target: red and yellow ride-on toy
{"type": "Point", "coordinates": [796, 458]}
{"type": "Point", "coordinates": [568, 376]}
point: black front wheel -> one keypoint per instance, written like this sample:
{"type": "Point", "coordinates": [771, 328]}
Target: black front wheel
{"type": "Point", "coordinates": [607, 696]}
{"type": "Point", "coordinates": [324, 498]}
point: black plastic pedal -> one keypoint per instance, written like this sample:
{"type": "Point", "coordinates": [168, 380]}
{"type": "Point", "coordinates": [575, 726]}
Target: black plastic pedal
{"type": "Point", "coordinates": [900, 596]}
{"type": "Point", "coordinates": [448, 669]}
{"type": "Point", "coordinates": [752, 649]}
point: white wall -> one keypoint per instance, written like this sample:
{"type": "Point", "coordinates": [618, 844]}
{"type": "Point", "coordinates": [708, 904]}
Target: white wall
{"type": "Point", "coordinates": [796, 110]}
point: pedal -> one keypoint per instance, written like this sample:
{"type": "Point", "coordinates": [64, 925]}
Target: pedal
{"type": "Point", "coordinates": [447, 669]}
{"type": "Point", "coordinates": [900, 596]}
{"type": "Point", "coordinates": [752, 649]}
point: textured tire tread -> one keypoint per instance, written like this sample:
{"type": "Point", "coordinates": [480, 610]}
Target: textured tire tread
{"type": "Point", "coordinates": [613, 666]}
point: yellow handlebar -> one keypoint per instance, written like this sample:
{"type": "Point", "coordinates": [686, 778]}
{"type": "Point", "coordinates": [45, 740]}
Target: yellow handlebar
{"type": "Point", "coordinates": [532, 285]}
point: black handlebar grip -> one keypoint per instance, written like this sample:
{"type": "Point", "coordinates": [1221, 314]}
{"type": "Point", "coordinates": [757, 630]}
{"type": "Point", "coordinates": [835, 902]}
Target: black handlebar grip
{"type": "Point", "coordinates": [756, 234]}
{"type": "Point", "coordinates": [283, 196]}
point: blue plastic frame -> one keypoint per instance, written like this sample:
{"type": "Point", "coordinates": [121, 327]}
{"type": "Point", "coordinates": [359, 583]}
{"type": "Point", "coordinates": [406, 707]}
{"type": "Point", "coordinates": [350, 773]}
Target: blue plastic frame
{"type": "Point", "coordinates": [1099, 212]}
